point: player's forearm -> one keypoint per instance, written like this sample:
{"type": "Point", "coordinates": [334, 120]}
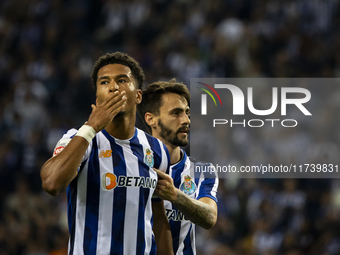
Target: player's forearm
{"type": "Point", "coordinates": [161, 229]}
{"type": "Point", "coordinates": [57, 173]}
{"type": "Point", "coordinates": [202, 214]}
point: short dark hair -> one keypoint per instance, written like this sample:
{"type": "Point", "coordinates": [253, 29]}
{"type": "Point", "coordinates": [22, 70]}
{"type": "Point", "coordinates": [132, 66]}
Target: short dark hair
{"type": "Point", "coordinates": [119, 58]}
{"type": "Point", "coordinates": [152, 96]}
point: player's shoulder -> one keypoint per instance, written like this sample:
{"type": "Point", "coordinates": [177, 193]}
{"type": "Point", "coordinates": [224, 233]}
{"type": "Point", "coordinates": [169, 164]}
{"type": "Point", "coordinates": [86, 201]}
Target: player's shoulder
{"type": "Point", "coordinates": [149, 136]}
{"type": "Point", "coordinates": [203, 169]}
{"type": "Point", "coordinates": [199, 162]}
{"type": "Point", "coordinates": [152, 140]}
{"type": "Point", "coordinates": [71, 132]}
{"type": "Point", "coordinates": [146, 134]}
{"type": "Point", "coordinates": [64, 140]}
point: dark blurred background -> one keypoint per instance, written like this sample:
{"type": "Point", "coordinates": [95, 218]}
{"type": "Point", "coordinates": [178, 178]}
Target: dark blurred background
{"type": "Point", "coordinates": [47, 50]}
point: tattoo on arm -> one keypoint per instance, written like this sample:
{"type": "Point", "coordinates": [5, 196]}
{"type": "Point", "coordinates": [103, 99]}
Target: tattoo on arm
{"type": "Point", "coordinates": [196, 211]}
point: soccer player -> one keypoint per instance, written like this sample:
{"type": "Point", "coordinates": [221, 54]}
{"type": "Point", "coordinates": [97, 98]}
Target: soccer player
{"type": "Point", "coordinates": [107, 168]}
{"type": "Point", "coordinates": [190, 200]}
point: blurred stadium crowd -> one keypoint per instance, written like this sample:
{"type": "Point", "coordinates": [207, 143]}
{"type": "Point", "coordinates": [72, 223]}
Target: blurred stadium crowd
{"type": "Point", "coordinates": [47, 49]}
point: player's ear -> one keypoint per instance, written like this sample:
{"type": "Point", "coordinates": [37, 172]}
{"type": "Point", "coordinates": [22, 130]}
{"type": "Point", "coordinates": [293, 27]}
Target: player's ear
{"type": "Point", "coordinates": [150, 119]}
{"type": "Point", "coordinates": [138, 96]}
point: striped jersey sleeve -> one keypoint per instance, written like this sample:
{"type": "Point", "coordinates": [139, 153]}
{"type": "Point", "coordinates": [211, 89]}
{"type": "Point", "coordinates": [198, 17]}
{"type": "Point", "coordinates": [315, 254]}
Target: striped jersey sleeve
{"type": "Point", "coordinates": [207, 182]}
{"type": "Point", "coordinates": [63, 142]}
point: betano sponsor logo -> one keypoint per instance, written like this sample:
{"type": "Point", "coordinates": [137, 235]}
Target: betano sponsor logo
{"type": "Point", "coordinates": [239, 105]}
{"type": "Point", "coordinates": [110, 181]}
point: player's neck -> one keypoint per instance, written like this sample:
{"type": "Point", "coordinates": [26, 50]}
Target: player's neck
{"type": "Point", "coordinates": [175, 153]}
{"type": "Point", "coordinates": [122, 127]}
{"type": "Point", "coordinates": [174, 150]}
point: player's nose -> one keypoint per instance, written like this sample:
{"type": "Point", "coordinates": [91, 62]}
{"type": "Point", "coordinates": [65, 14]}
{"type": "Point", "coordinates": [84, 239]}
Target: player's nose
{"type": "Point", "coordinates": [186, 119]}
{"type": "Point", "coordinates": [113, 86]}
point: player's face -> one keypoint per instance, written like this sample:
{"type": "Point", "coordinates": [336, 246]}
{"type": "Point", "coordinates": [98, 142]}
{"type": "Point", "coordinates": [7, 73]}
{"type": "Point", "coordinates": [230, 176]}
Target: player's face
{"type": "Point", "coordinates": [174, 120]}
{"type": "Point", "coordinates": [114, 77]}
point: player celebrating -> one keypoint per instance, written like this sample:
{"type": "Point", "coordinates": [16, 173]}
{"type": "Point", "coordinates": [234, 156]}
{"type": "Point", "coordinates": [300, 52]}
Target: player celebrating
{"type": "Point", "coordinates": [165, 110]}
{"type": "Point", "coordinates": [107, 168]}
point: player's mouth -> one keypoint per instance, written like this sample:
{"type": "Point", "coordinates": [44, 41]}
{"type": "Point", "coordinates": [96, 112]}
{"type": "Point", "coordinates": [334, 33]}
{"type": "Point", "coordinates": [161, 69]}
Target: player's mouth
{"type": "Point", "coordinates": [183, 130]}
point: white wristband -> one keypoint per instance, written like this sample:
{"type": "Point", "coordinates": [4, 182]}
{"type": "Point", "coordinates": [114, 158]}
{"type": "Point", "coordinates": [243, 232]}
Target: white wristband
{"type": "Point", "coordinates": [87, 132]}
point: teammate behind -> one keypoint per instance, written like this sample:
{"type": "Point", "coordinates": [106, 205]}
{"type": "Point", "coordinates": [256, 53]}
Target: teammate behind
{"type": "Point", "coordinates": [107, 168]}
{"type": "Point", "coordinates": [165, 110]}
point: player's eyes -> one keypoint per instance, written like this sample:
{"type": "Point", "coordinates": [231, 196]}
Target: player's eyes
{"type": "Point", "coordinates": [104, 82]}
{"type": "Point", "coordinates": [122, 81]}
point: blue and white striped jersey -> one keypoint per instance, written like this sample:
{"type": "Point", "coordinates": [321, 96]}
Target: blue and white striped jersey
{"type": "Point", "coordinates": [109, 202]}
{"type": "Point", "coordinates": [195, 185]}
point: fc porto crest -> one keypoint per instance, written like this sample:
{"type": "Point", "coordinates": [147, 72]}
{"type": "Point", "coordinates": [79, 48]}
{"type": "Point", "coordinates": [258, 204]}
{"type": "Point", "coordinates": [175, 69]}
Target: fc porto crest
{"type": "Point", "coordinates": [188, 186]}
{"type": "Point", "coordinates": [148, 159]}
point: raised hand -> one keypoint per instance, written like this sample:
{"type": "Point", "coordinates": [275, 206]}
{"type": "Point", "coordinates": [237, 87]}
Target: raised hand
{"type": "Point", "coordinates": [103, 113]}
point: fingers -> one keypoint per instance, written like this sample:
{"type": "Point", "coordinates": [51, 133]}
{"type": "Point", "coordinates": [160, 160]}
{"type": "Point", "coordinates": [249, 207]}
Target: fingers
{"type": "Point", "coordinates": [116, 104]}
{"type": "Point", "coordinates": [113, 104]}
{"type": "Point", "coordinates": [115, 109]}
{"type": "Point", "coordinates": [165, 190]}
{"type": "Point", "coordinates": [163, 183]}
{"type": "Point", "coordinates": [114, 98]}
{"type": "Point", "coordinates": [159, 192]}
{"type": "Point", "coordinates": [161, 175]}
